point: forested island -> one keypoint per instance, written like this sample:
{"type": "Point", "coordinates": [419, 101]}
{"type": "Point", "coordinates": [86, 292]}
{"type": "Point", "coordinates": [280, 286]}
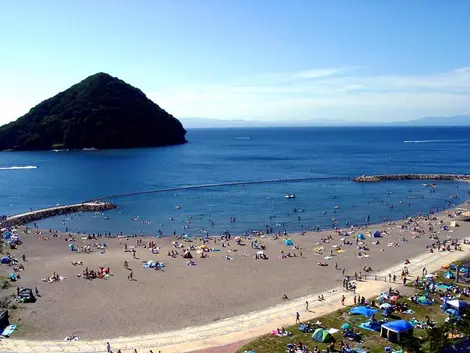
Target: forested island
{"type": "Point", "coordinates": [101, 112]}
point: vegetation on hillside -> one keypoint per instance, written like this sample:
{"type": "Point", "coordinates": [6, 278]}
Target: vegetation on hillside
{"type": "Point", "coordinates": [101, 112]}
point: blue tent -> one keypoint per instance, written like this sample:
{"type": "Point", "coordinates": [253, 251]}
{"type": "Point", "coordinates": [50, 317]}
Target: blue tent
{"type": "Point", "coordinates": [457, 304]}
{"type": "Point", "coordinates": [453, 312]}
{"type": "Point", "coordinates": [5, 260]}
{"type": "Point", "coordinates": [362, 310]}
{"type": "Point", "coordinates": [376, 234]}
{"type": "Point", "coordinates": [361, 236]}
{"type": "Point", "coordinates": [449, 275]}
{"type": "Point", "coordinates": [395, 330]}
{"type": "Point", "coordinates": [288, 242]}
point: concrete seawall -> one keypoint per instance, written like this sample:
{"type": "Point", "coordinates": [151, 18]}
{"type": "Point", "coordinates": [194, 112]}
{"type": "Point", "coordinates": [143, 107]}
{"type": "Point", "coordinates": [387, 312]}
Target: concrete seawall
{"type": "Point", "coordinates": [379, 178]}
{"type": "Point", "coordinates": [35, 215]}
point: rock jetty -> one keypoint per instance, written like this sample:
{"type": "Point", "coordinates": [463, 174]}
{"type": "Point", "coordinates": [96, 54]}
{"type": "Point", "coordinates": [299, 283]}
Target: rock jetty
{"type": "Point", "coordinates": [35, 215]}
{"type": "Point", "coordinates": [379, 178]}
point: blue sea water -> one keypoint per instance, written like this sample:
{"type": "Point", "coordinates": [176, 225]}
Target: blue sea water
{"type": "Point", "coordinates": [224, 155]}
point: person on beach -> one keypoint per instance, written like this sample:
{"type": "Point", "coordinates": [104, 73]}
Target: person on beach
{"type": "Point", "coordinates": [306, 305]}
{"type": "Point", "coordinates": [130, 277]}
{"type": "Point", "coordinates": [297, 318]}
{"type": "Point", "coordinates": [108, 347]}
{"type": "Point", "coordinates": [343, 298]}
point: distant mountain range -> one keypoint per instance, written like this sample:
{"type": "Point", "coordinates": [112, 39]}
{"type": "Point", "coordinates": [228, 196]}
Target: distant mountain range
{"type": "Point", "coordinates": [459, 120]}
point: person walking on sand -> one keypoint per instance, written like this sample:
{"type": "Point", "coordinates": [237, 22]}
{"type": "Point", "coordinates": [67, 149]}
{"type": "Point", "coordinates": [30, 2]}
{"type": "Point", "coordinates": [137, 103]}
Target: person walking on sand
{"type": "Point", "coordinates": [306, 305]}
{"type": "Point", "coordinates": [130, 277]}
{"type": "Point", "coordinates": [355, 300]}
{"type": "Point", "coordinates": [297, 318]}
{"type": "Point", "coordinates": [343, 298]}
{"type": "Point", "coordinates": [108, 347]}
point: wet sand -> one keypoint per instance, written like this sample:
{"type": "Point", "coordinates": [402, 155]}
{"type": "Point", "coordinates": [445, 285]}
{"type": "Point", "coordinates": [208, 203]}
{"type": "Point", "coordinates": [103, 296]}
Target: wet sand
{"type": "Point", "coordinates": [182, 296]}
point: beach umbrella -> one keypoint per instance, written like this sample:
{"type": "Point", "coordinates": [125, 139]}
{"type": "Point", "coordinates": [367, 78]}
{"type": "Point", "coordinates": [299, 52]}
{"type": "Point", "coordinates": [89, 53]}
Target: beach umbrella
{"type": "Point", "coordinates": [361, 236]}
{"type": "Point", "coordinates": [346, 326]}
{"type": "Point", "coordinates": [385, 306]}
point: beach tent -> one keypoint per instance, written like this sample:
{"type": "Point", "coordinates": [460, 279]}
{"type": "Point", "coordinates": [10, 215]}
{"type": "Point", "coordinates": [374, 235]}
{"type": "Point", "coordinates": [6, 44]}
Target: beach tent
{"type": "Point", "coordinates": [457, 304]}
{"type": "Point", "coordinates": [361, 236]}
{"type": "Point", "coordinates": [449, 275]}
{"type": "Point", "coordinates": [376, 234]}
{"type": "Point", "coordinates": [4, 322]}
{"type": "Point", "coordinates": [346, 326]}
{"type": "Point", "coordinates": [394, 331]}
{"type": "Point", "coordinates": [5, 260]}
{"type": "Point", "coordinates": [321, 335]}
{"type": "Point", "coordinates": [362, 310]}
{"type": "Point", "coordinates": [27, 295]}
{"type": "Point", "coordinates": [6, 235]}
{"type": "Point", "coordinates": [288, 242]}
{"type": "Point", "coordinates": [453, 312]}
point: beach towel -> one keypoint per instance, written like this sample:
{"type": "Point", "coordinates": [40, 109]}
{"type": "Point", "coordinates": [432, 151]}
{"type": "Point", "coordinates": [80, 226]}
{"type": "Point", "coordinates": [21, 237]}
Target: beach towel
{"type": "Point", "coordinates": [8, 331]}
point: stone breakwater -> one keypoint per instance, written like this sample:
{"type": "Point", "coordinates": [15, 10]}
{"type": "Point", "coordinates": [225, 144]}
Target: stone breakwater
{"type": "Point", "coordinates": [379, 178]}
{"type": "Point", "coordinates": [35, 215]}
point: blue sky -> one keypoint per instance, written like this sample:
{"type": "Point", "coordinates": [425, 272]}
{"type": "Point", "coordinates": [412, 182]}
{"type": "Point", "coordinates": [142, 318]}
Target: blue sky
{"type": "Point", "coordinates": [369, 60]}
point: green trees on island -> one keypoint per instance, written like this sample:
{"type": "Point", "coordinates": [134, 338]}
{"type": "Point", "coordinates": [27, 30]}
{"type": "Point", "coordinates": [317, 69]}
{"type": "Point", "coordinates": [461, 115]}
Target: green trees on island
{"type": "Point", "coordinates": [101, 112]}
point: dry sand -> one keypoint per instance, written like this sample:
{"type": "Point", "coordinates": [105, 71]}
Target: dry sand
{"type": "Point", "coordinates": [181, 295]}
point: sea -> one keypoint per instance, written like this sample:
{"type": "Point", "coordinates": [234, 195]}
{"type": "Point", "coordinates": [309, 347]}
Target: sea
{"type": "Point", "coordinates": [316, 164]}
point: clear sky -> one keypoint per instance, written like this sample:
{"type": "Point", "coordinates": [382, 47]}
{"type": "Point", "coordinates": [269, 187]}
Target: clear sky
{"type": "Point", "coordinates": [369, 60]}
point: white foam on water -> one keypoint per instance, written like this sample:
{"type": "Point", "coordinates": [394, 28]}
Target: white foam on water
{"type": "Point", "coordinates": [19, 167]}
{"type": "Point", "coordinates": [434, 141]}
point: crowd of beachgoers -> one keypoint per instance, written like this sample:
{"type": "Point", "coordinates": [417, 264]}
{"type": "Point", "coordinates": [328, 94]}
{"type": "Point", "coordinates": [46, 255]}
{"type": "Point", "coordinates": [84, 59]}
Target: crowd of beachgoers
{"type": "Point", "coordinates": [89, 278]}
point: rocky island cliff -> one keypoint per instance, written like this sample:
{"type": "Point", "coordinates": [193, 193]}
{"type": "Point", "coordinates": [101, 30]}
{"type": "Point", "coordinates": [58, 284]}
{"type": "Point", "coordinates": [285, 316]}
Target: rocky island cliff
{"type": "Point", "coordinates": [100, 112]}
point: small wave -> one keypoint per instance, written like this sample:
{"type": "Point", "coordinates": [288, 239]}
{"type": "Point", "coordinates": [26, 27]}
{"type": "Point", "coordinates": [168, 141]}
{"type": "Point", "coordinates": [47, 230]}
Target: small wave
{"type": "Point", "coordinates": [434, 141]}
{"type": "Point", "coordinates": [17, 167]}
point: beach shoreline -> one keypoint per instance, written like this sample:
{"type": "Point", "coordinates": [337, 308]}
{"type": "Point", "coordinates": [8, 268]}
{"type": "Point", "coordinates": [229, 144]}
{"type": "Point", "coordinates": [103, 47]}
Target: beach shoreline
{"type": "Point", "coordinates": [181, 296]}
{"type": "Point", "coordinates": [236, 330]}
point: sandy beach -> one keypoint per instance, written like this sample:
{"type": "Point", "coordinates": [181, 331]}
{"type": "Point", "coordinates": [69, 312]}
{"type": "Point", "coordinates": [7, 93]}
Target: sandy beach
{"type": "Point", "coordinates": [182, 295]}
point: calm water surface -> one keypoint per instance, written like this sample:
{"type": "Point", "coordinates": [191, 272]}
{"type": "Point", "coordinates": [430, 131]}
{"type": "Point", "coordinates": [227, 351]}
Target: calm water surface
{"type": "Point", "coordinates": [224, 155]}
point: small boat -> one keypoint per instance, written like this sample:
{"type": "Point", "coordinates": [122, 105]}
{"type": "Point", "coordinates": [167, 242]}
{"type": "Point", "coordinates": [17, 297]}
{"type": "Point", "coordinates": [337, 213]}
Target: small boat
{"type": "Point", "coordinates": [290, 196]}
{"type": "Point", "coordinates": [178, 207]}
{"type": "Point", "coordinates": [429, 185]}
